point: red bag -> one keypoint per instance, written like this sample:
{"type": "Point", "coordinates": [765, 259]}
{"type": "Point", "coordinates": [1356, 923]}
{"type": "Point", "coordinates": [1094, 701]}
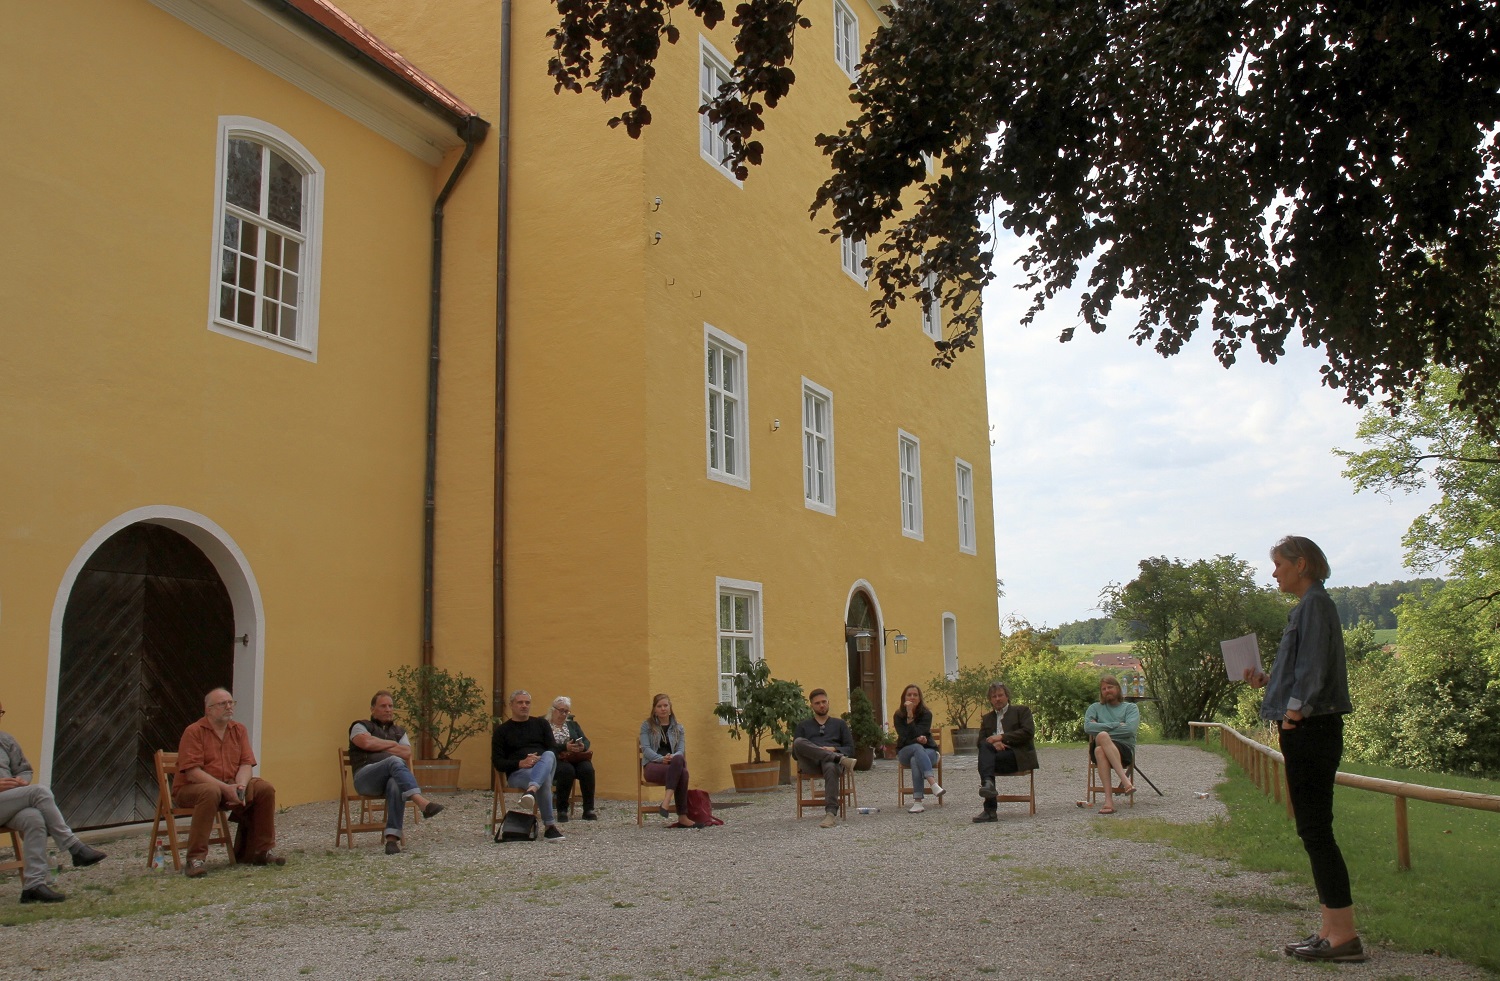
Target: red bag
{"type": "Point", "coordinates": [700, 808]}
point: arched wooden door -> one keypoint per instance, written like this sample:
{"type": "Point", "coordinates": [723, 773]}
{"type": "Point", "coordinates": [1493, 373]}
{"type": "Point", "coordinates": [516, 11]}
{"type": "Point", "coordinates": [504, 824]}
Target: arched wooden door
{"type": "Point", "coordinates": [147, 630]}
{"type": "Point", "coordinates": [864, 666]}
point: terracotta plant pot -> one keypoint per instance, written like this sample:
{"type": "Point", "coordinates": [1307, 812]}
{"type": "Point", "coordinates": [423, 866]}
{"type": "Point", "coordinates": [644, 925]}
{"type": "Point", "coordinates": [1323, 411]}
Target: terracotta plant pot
{"type": "Point", "coordinates": [755, 778]}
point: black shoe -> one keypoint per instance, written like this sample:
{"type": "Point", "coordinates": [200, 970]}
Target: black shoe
{"type": "Point", "coordinates": [393, 846]}
{"type": "Point", "coordinates": [433, 809]}
{"type": "Point", "coordinates": [984, 817]}
{"type": "Point", "coordinates": [85, 856]}
{"type": "Point", "coordinates": [42, 894]}
{"type": "Point", "coordinates": [1307, 941]}
{"type": "Point", "coordinates": [662, 810]}
{"type": "Point", "coordinates": [562, 815]}
{"type": "Point", "coordinates": [590, 816]}
{"type": "Point", "coordinates": [987, 790]}
{"type": "Point", "coordinates": [1348, 952]}
{"type": "Point", "coordinates": [553, 833]}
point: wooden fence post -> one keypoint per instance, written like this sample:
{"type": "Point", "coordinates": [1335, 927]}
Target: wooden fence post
{"type": "Point", "coordinates": [1403, 843]}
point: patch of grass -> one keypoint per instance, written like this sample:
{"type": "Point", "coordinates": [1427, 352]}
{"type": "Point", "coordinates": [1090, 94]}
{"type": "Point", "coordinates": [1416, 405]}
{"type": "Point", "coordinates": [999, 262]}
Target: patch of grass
{"type": "Point", "coordinates": [1259, 902]}
{"type": "Point", "coordinates": [1085, 882]}
{"type": "Point", "coordinates": [1447, 903]}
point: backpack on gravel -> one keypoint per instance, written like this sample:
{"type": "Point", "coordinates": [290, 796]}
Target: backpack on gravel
{"type": "Point", "coordinates": [517, 826]}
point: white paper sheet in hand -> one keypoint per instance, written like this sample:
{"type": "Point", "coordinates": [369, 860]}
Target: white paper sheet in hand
{"type": "Point", "coordinates": [1239, 654]}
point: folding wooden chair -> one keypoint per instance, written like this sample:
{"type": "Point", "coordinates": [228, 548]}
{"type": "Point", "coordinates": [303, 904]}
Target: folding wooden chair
{"type": "Point", "coordinates": [1027, 798]}
{"type": "Point", "coordinates": [642, 808]}
{"type": "Point", "coordinates": [358, 812]}
{"type": "Point", "coordinates": [176, 838]}
{"type": "Point", "coordinates": [904, 787]}
{"type": "Point", "coordinates": [812, 794]}
{"type": "Point", "coordinates": [17, 862]}
{"type": "Point", "coordinates": [501, 805]}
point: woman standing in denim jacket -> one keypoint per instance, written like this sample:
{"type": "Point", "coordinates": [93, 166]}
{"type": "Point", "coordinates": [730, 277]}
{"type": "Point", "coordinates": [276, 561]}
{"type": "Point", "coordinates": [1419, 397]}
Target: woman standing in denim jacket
{"type": "Point", "coordinates": [1307, 694]}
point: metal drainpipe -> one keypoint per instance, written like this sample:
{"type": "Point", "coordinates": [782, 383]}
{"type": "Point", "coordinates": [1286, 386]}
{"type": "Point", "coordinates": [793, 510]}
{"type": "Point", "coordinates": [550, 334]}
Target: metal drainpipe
{"type": "Point", "coordinates": [472, 131]}
{"type": "Point", "coordinates": [502, 271]}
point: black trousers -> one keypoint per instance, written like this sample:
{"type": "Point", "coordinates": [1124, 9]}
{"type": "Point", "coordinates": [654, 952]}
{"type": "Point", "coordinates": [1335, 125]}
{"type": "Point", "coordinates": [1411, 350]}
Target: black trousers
{"type": "Point", "coordinates": [1312, 750]}
{"type": "Point", "coordinates": [992, 762]}
{"type": "Point", "coordinates": [562, 783]}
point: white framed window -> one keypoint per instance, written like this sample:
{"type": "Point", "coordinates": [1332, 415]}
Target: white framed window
{"type": "Point", "coordinates": [739, 630]}
{"type": "Point", "coordinates": [268, 217]}
{"type": "Point", "coordinates": [846, 38]}
{"type": "Point", "coordinates": [852, 258]}
{"type": "Point", "coordinates": [713, 74]}
{"type": "Point", "coordinates": [725, 408]}
{"type": "Point", "coordinates": [964, 478]}
{"type": "Point", "coordinates": [817, 447]}
{"type": "Point", "coordinates": [950, 645]}
{"type": "Point", "coordinates": [932, 307]}
{"type": "Point", "coordinates": [910, 462]}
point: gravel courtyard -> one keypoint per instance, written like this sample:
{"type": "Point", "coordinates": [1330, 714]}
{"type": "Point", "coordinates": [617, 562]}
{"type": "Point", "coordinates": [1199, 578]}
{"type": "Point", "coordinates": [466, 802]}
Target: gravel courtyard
{"type": "Point", "coordinates": [888, 895]}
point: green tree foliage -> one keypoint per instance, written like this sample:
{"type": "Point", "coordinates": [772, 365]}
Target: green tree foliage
{"type": "Point", "coordinates": [1437, 704]}
{"type": "Point", "coordinates": [1375, 603]}
{"type": "Point", "coordinates": [441, 706]}
{"type": "Point", "coordinates": [1178, 614]}
{"type": "Point", "coordinates": [963, 697]}
{"type": "Point", "coordinates": [1099, 630]}
{"type": "Point", "coordinates": [867, 732]}
{"type": "Point", "coordinates": [1258, 169]}
{"type": "Point", "coordinates": [1057, 692]}
{"type": "Point", "coordinates": [763, 707]}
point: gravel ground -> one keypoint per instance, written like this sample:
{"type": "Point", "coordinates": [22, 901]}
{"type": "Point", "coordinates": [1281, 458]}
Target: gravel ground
{"type": "Point", "coordinates": [888, 895]}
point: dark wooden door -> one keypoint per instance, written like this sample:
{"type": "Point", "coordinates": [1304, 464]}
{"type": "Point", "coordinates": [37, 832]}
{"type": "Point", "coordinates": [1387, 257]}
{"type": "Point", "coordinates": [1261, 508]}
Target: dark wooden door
{"type": "Point", "coordinates": [864, 666]}
{"type": "Point", "coordinates": [148, 629]}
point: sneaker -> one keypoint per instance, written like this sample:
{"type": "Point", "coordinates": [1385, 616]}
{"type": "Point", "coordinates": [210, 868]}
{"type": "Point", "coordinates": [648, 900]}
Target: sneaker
{"type": "Point", "coordinates": [916, 808]}
{"type": "Point", "coordinates": [985, 817]}
{"type": "Point", "coordinates": [829, 820]}
{"type": "Point", "coordinates": [847, 762]}
{"type": "Point", "coordinates": [42, 894]}
{"type": "Point", "coordinates": [84, 856]}
{"type": "Point", "coordinates": [553, 833]}
{"type": "Point", "coordinates": [987, 790]}
{"type": "Point", "coordinates": [195, 868]}
{"type": "Point", "coordinates": [936, 788]}
{"type": "Point", "coordinates": [1349, 952]}
{"type": "Point", "coordinates": [527, 801]}
{"type": "Point", "coordinates": [433, 809]}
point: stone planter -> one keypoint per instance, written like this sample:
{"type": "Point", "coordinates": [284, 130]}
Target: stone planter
{"type": "Point", "coordinates": [965, 742]}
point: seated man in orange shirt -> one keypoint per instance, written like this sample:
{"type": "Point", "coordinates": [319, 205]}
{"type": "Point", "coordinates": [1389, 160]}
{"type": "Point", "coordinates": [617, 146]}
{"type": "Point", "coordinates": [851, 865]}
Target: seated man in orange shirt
{"type": "Point", "coordinates": [213, 771]}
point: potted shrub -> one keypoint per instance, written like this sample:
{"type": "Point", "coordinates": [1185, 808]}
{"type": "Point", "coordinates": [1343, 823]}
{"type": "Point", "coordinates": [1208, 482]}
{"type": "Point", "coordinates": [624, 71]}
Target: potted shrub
{"type": "Point", "coordinates": [763, 706]}
{"type": "Point", "coordinates": [868, 734]}
{"type": "Point", "coordinates": [442, 708]}
{"type": "Point", "coordinates": [964, 698]}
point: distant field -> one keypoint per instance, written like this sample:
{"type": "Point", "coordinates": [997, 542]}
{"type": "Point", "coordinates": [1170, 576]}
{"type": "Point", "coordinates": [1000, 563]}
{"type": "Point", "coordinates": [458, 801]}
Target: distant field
{"type": "Point", "coordinates": [1084, 650]}
{"type": "Point", "coordinates": [1385, 636]}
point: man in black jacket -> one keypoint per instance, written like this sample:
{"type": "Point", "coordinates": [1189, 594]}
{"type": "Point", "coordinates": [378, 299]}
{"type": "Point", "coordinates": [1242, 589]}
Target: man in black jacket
{"type": "Point", "coordinates": [523, 751]}
{"type": "Point", "coordinates": [1005, 746]}
{"type": "Point", "coordinates": [824, 744]}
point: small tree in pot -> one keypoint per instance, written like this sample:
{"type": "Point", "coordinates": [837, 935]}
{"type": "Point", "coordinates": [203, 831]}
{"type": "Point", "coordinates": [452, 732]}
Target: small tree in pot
{"type": "Point", "coordinates": [964, 698]}
{"type": "Point", "coordinates": [763, 706]}
{"type": "Point", "coordinates": [868, 735]}
{"type": "Point", "coordinates": [444, 707]}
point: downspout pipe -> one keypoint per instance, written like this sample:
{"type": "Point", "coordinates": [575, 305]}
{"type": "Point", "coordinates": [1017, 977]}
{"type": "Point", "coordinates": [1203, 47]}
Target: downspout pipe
{"type": "Point", "coordinates": [502, 283]}
{"type": "Point", "coordinates": [473, 132]}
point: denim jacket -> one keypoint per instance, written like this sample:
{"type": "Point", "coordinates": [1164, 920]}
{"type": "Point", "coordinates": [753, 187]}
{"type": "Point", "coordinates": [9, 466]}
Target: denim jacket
{"type": "Point", "coordinates": [675, 736]}
{"type": "Point", "coordinates": [1309, 675]}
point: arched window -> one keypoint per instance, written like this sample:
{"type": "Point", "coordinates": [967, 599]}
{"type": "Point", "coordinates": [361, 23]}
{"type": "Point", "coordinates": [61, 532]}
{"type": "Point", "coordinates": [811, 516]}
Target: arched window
{"type": "Point", "coordinates": [268, 223]}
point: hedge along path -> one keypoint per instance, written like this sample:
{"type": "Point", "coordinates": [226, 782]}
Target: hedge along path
{"type": "Point", "coordinates": [891, 895]}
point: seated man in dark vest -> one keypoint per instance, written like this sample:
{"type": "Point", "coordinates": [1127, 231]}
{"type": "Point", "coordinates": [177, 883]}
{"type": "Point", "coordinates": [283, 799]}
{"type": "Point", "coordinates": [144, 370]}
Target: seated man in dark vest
{"type": "Point", "coordinates": [380, 756]}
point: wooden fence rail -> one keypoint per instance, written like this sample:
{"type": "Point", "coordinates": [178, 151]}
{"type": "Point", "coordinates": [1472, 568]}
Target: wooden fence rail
{"type": "Point", "coordinates": [1266, 765]}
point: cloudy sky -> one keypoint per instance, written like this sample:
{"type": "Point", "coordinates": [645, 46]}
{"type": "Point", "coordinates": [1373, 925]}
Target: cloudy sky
{"type": "Point", "coordinates": [1106, 453]}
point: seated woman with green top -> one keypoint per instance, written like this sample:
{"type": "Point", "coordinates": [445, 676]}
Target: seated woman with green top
{"type": "Point", "coordinates": [1111, 723]}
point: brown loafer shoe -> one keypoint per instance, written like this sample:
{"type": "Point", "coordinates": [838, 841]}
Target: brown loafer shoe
{"type": "Point", "coordinates": [194, 868]}
{"type": "Point", "coordinates": [268, 857]}
{"type": "Point", "coordinates": [1349, 952]}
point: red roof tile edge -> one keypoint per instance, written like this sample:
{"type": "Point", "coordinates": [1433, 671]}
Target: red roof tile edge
{"type": "Point", "coordinates": [402, 72]}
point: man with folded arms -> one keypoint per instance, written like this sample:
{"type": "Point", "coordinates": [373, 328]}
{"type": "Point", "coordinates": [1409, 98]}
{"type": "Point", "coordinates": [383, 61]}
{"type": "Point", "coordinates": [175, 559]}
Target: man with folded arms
{"type": "Point", "coordinates": [380, 756]}
{"type": "Point", "coordinates": [32, 811]}
{"type": "Point", "coordinates": [823, 744]}
{"type": "Point", "coordinates": [213, 772]}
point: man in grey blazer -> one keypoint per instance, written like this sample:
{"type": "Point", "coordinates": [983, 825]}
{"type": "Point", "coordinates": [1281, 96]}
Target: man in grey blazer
{"type": "Point", "coordinates": [1005, 746]}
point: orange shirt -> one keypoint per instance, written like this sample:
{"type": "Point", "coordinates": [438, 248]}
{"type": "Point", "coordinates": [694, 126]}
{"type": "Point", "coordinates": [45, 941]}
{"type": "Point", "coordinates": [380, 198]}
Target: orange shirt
{"type": "Point", "coordinates": [200, 746]}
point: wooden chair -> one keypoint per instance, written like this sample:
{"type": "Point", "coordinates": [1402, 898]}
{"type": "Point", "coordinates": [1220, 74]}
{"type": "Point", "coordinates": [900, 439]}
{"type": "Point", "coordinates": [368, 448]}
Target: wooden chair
{"type": "Point", "coordinates": [501, 804]}
{"type": "Point", "coordinates": [807, 782]}
{"type": "Point", "coordinates": [1027, 798]}
{"type": "Point", "coordinates": [370, 811]}
{"type": "Point", "coordinates": [904, 788]}
{"type": "Point", "coordinates": [1095, 787]}
{"type": "Point", "coordinates": [17, 861]}
{"type": "Point", "coordinates": [642, 808]}
{"type": "Point", "coordinates": [176, 837]}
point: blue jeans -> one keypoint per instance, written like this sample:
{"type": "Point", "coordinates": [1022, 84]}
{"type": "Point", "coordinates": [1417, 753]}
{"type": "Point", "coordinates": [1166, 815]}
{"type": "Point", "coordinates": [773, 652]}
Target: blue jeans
{"type": "Point", "coordinates": [541, 776]}
{"type": "Point", "coordinates": [921, 759]}
{"type": "Point", "coordinates": [393, 778]}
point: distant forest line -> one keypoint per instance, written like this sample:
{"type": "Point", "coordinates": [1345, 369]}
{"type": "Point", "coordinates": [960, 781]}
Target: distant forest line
{"type": "Point", "coordinates": [1375, 603]}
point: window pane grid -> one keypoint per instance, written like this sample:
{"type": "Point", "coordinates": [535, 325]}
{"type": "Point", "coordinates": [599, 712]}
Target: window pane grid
{"type": "Point", "coordinates": [260, 261]}
{"type": "Point", "coordinates": [910, 465]}
{"type": "Point", "coordinates": [737, 637]}
{"type": "Point", "coordinates": [725, 453]}
{"type": "Point", "coordinates": [965, 480]}
{"type": "Point", "coordinates": [817, 457]}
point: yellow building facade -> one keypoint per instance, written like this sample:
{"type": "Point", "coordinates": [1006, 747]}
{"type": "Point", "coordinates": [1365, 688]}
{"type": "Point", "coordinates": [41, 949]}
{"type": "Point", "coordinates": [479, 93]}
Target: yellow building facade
{"type": "Point", "coordinates": [670, 378]}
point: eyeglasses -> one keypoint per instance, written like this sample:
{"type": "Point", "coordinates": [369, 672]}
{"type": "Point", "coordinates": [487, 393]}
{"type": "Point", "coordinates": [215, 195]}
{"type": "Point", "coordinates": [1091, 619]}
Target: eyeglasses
{"type": "Point", "coordinates": [226, 703]}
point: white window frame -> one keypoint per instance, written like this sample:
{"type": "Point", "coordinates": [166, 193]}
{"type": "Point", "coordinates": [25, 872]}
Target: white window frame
{"type": "Point", "coordinates": [732, 589]}
{"type": "Point", "coordinates": [950, 645]}
{"type": "Point", "coordinates": [963, 480]}
{"type": "Point", "coordinates": [852, 252]}
{"type": "Point", "coordinates": [813, 438]}
{"type": "Point", "coordinates": [715, 340]}
{"type": "Point", "coordinates": [932, 307]}
{"type": "Point", "coordinates": [909, 471]}
{"type": "Point", "coordinates": [846, 39]}
{"type": "Point", "coordinates": [310, 239]}
{"type": "Point", "coordinates": [711, 143]}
